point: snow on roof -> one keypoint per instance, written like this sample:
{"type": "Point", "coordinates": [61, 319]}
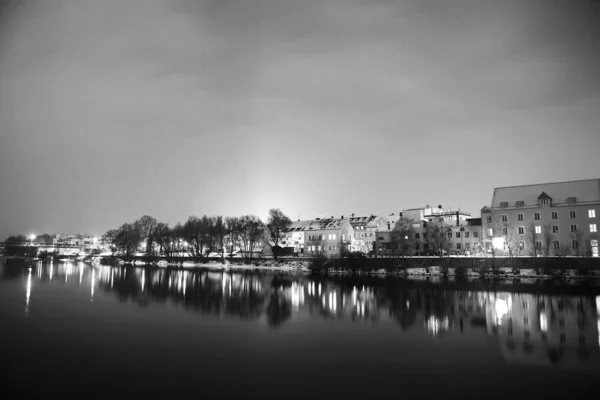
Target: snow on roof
{"type": "Point", "coordinates": [583, 191]}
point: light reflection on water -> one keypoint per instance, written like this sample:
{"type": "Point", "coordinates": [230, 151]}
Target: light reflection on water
{"type": "Point", "coordinates": [542, 328]}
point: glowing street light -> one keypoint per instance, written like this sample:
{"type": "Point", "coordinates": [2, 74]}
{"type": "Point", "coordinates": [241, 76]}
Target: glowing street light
{"type": "Point", "coordinates": [31, 238]}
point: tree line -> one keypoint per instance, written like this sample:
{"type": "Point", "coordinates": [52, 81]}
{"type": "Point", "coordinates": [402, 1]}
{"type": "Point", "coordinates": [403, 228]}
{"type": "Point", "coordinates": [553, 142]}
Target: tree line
{"type": "Point", "coordinates": [199, 236]}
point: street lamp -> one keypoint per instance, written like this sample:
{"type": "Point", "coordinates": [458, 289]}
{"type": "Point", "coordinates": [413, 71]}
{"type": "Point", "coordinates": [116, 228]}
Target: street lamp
{"type": "Point", "coordinates": [31, 237]}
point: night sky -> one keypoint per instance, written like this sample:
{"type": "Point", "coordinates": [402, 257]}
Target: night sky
{"type": "Point", "coordinates": [110, 110]}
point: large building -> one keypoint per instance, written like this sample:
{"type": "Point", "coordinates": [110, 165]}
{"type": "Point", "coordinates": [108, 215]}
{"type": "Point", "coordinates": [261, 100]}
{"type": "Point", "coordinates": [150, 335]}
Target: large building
{"type": "Point", "coordinates": [551, 219]}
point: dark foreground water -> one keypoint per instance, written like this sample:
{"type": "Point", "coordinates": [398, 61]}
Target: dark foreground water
{"type": "Point", "coordinates": [77, 330]}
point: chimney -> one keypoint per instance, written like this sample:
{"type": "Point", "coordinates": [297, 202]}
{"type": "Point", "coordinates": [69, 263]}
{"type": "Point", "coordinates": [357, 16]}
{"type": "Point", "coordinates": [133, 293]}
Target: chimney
{"type": "Point", "coordinates": [457, 220]}
{"type": "Point", "coordinates": [332, 217]}
{"type": "Point", "coordinates": [317, 219]}
{"type": "Point", "coordinates": [342, 217]}
{"type": "Point", "coordinates": [352, 214]}
{"type": "Point", "coordinates": [440, 206]}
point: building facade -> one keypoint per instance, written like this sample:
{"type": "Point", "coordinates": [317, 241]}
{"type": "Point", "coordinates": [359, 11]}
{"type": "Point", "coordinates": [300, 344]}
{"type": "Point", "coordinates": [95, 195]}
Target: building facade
{"type": "Point", "coordinates": [551, 219]}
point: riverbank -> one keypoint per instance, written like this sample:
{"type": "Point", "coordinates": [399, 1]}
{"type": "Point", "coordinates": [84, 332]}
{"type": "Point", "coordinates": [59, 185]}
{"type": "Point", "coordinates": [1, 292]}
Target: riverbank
{"type": "Point", "coordinates": [433, 271]}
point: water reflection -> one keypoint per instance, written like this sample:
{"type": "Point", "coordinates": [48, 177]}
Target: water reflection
{"type": "Point", "coordinates": [540, 329]}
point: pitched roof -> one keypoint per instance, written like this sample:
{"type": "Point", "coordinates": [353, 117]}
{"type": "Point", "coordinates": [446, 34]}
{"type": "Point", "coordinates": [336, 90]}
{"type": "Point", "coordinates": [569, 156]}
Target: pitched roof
{"type": "Point", "coordinates": [324, 224]}
{"type": "Point", "coordinates": [583, 191]}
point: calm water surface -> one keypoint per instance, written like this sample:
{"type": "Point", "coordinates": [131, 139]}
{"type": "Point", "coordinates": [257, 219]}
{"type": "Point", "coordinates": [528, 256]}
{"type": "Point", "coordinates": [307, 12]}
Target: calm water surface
{"type": "Point", "coordinates": [78, 330]}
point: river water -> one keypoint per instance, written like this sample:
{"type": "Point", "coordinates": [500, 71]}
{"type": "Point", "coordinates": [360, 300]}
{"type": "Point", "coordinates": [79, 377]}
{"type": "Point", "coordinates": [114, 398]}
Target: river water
{"type": "Point", "coordinates": [81, 330]}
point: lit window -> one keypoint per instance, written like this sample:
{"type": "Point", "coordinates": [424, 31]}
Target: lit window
{"type": "Point", "coordinates": [572, 214]}
{"type": "Point", "coordinates": [538, 229]}
{"type": "Point", "coordinates": [554, 214]}
{"type": "Point", "coordinates": [573, 228]}
{"type": "Point", "coordinates": [521, 245]}
{"type": "Point", "coordinates": [519, 217]}
{"type": "Point", "coordinates": [554, 228]}
{"type": "Point", "coordinates": [333, 236]}
{"type": "Point", "coordinates": [504, 217]}
{"type": "Point", "coordinates": [536, 216]}
{"type": "Point", "coordinates": [490, 232]}
{"type": "Point", "coordinates": [592, 227]}
{"type": "Point", "coordinates": [592, 213]}
{"type": "Point", "coordinates": [521, 230]}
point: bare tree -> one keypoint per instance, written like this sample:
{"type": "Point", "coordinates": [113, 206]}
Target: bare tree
{"type": "Point", "coordinates": [532, 238]}
{"type": "Point", "coordinates": [197, 231]}
{"type": "Point", "coordinates": [233, 229]}
{"type": "Point", "coordinates": [437, 237]}
{"type": "Point", "coordinates": [219, 233]}
{"type": "Point", "coordinates": [403, 236]}
{"type": "Point", "coordinates": [547, 237]}
{"type": "Point", "coordinates": [277, 223]}
{"type": "Point", "coordinates": [127, 239]}
{"type": "Point", "coordinates": [145, 226]}
{"type": "Point", "coordinates": [109, 239]}
{"type": "Point", "coordinates": [577, 237]}
{"type": "Point", "coordinates": [251, 234]}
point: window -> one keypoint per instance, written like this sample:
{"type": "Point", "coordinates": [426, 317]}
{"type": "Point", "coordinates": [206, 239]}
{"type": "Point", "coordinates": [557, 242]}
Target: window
{"type": "Point", "coordinates": [505, 245]}
{"type": "Point", "coordinates": [417, 246]}
{"type": "Point", "coordinates": [521, 245]}
{"type": "Point", "coordinates": [457, 235]}
{"type": "Point", "coordinates": [333, 248]}
{"type": "Point", "coordinates": [592, 213]}
{"type": "Point", "coordinates": [554, 228]}
{"type": "Point", "coordinates": [505, 231]}
{"type": "Point", "coordinates": [449, 235]}
{"type": "Point", "coordinates": [489, 219]}
{"type": "Point", "coordinates": [520, 203]}
{"type": "Point", "coordinates": [380, 237]}
{"type": "Point", "coordinates": [519, 217]}
{"type": "Point", "coordinates": [538, 229]}
{"type": "Point", "coordinates": [521, 230]}
{"type": "Point", "coordinates": [490, 232]}
{"type": "Point", "coordinates": [467, 235]}
{"type": "Point", "coordinates": [554, 214]}
{"type": "Point", "coordinates": [417, 235]}
{"type": "Point", "coordinates": [536, 216]}
{"type": "Point", "coordinates": [538, 245]}
{"type": "Point", "coordinates": [370, 234]}
{"type": "Point", "coordinates": [556, 244]}
{"type": "Point", "coordinates": [343, 237]}
{"type": "Point", "coordinates": [333, 236]}
{"type": "Point", "coordinates": [573, 228]}
{"type": "Point", "coordinates": [319, 248]}
{"type": "Point", "coordinates": [424, 235]}
{"type": "Point", "coordinates": [575, 244]}
{"type": "Point", "coordinates": [545, 202]}
{"type": "Point", "coordinates": [571, 200]}
{"type": "Point", "coordinates": [504, 218]}
{"type": "Point", "coordinates": [475, 234]}
{"type": "Point", "coordinates": [503, 204]}
{"type": "Point", "coordinates": [329, 239]}
{"type": "Point", "coordinates": [592, 227]}
{"type": "Point", "coordinates": [349, 236]}
{"type": "Point", "coordinates": [572, 214]}
{"type": "Point", "coordinates": [329, 248]}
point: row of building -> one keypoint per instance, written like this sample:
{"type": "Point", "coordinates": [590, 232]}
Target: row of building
{"type": "Point", "coordinates": [551, 219]}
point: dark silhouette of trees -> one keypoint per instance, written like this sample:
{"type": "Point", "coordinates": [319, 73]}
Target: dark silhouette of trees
{"type": "Point", "coordinates": [277, 223]}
